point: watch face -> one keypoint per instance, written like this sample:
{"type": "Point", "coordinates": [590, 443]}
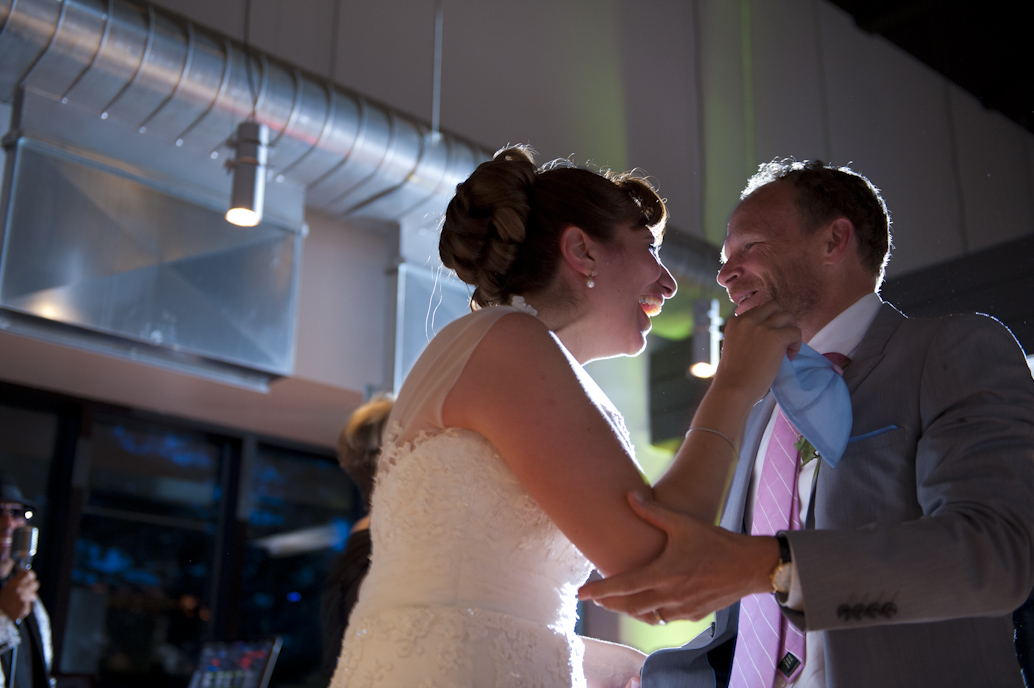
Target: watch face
{"type": "Point", "coordinates": [781, 578]}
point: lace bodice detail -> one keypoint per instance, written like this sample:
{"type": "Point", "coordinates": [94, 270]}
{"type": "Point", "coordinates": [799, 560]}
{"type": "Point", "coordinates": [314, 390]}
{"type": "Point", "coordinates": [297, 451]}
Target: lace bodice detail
{"type": "Point", "coordinates": [469, 577]}
{"type": "Point", "coordinates": [471, 583]}
{"type": "Point", "coordinates": [451, 501]}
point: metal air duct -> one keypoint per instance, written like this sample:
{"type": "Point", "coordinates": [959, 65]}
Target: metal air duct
{"type": "Point", "coordinates": [117, 185]}
{"type": "Point", "coordinates": [151, 99]}
{"type": "Point", "coordinates": [164, 77]}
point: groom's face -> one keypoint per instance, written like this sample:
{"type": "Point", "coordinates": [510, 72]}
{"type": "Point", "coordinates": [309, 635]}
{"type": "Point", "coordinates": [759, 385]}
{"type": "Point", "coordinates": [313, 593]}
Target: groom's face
{"type": "Point", "coordinates": [767, 256]}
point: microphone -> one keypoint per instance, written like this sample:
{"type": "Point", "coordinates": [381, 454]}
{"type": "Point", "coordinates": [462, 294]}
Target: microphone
{"type": "Point", "coordinates": [23, 545]}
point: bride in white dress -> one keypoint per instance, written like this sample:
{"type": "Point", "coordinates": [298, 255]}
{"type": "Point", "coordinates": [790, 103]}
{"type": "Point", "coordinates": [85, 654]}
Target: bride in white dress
{"type": "Point", "coordinates": [505, 471]}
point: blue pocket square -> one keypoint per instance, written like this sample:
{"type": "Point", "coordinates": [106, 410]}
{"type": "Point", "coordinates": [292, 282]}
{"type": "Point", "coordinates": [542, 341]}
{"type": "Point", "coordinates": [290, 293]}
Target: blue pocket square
{"type": "Point", "coordinates": [874, 433]}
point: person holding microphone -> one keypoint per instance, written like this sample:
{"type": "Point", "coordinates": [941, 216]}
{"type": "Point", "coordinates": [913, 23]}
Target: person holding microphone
{"type": "Point", "coordinates": [26, 648]}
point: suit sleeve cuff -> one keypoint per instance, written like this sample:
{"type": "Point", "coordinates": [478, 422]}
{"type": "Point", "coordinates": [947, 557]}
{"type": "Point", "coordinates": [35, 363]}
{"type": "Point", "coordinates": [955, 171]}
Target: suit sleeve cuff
{"type": "Point", "coordinates": [795, 598]}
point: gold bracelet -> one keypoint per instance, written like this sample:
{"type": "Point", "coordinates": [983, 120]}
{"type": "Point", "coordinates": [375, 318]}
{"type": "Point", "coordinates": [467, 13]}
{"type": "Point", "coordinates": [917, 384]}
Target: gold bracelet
{"type": "Point", "coordinates": [720, 434]}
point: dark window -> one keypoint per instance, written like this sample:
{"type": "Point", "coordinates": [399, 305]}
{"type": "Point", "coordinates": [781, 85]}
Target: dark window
{"type": "Point", "coordinates": [300, 509]}
{"type": "Point", "coordinates": [158, 534]}
{"type": "Point", "coordinates": [27, 438]}
{"type": "Point", "coordinates": [140, 601]}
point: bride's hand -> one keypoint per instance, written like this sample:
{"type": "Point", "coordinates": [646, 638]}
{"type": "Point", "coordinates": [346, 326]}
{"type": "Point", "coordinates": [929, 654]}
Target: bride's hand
{"type": "Point", "coordinates": [755, 344]}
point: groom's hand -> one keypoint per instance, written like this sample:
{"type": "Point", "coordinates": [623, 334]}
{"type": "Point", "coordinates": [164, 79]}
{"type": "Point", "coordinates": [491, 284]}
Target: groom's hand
{"type": "Point", "coordinates": [702, 568]}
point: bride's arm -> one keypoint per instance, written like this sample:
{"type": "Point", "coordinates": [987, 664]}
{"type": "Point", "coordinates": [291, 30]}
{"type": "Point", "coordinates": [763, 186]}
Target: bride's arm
{"type": "Point", "coordinates": [519, 390]}
{"type": "Point", "coordinates": [698, 478]}
{"type": "Point", "coordinates": [609, 665]}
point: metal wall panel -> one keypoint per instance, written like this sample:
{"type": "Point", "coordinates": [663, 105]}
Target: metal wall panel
{"type": "Point", "coordinates": [90, 245]}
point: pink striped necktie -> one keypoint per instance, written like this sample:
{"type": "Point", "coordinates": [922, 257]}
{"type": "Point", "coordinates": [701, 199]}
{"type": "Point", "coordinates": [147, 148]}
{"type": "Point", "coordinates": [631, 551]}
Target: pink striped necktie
{"type": "Point", "coordinates": [766, 642]}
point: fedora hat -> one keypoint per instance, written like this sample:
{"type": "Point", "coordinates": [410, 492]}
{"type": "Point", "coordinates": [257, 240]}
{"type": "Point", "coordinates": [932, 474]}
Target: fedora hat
{"type": "Point", "coordinates": [10, 492]}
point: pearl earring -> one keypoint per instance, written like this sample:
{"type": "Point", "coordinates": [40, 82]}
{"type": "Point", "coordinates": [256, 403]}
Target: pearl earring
{"type": "Point", "coordinates": [590, 283]}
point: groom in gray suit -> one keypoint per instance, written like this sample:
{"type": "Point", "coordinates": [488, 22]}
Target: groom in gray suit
{"type": "Point", "coordinates": [917, 545]}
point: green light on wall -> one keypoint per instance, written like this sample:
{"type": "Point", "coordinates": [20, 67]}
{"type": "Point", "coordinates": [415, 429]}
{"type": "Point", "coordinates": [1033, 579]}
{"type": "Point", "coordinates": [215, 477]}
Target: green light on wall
{"type": "Point", "coordinates": [647, 638]}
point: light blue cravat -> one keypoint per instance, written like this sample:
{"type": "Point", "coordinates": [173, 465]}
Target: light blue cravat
{"type": "Point", "coordinates": [815, 399]}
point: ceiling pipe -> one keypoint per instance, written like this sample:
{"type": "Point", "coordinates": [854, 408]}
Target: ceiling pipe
{"type": "Point", "coordinates": [161, 75]}
{"type": "Point", "coordinates": [164, 76]}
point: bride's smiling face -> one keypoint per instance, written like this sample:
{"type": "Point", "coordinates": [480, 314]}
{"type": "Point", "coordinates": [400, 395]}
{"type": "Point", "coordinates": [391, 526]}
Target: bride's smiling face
{"type": "Point", "coordinates": [631, 287]}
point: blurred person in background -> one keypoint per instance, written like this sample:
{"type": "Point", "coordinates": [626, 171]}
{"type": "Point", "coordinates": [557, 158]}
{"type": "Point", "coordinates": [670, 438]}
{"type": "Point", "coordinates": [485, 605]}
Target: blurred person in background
{"type": "Point", "coordinates": [358, 447]}
{"type": "Point", "coordinates": [25, 638]}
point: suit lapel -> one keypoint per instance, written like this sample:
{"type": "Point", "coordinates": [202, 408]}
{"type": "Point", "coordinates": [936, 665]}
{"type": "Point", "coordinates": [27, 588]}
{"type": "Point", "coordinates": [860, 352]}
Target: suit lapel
{"type": "Point", "coordinates": [870, 350]}
{"type": "Point", "coordinates": [867, 356]}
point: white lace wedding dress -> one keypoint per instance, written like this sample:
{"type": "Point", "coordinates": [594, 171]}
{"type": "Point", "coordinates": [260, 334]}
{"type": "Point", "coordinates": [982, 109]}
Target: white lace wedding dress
{"type": "Point", "coordinates": [471, 584]}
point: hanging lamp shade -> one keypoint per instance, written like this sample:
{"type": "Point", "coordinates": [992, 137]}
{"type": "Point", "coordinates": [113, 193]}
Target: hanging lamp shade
{"type": "Point", "coordinates": [249, 174]}
{"type": "Point", "coordinates": [706, 335]}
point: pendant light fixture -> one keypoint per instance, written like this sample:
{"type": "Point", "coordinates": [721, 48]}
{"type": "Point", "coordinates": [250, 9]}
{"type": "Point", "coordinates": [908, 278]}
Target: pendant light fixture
{"type": "Point", "coordinates": [251, 148]}
{"type": "Point", "coordinates": [249, 174]}
{"type": "Point", "coordinates": [706, 335]}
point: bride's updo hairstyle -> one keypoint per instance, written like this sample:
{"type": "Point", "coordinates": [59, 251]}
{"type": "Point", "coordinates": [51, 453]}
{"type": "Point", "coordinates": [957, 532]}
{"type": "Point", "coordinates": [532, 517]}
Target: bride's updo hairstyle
{"type": "Point", "coordinates": [502, 229]}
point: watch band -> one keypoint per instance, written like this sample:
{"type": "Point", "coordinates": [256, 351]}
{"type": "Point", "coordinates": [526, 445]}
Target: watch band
{"type": "Point", "coordinates": [785, 553]}
{"type": "Point", "coordinates": [781, 574]}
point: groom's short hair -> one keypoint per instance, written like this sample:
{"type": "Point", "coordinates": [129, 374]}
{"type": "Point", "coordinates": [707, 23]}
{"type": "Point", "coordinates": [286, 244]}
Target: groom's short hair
{"type": "Point", "coordinates": [825, 192]}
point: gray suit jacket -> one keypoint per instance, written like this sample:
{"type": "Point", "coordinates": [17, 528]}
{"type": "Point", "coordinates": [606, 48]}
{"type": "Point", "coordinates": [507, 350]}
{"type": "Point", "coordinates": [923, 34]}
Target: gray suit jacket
{"type": "Point", "coordinates": [920, 543]}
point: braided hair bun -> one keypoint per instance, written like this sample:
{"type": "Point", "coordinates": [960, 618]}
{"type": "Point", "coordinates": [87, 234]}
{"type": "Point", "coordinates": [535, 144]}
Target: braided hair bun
{"type": "Point", "coordinates": [485, 223]}
{"type": "Point", "coordinates": [502, 229]}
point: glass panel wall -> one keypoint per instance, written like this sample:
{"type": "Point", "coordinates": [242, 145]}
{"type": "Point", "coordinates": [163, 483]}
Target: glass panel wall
{"type": "Point", "coordinates": [157, 535]}
{"type": "Point", "coordinates": [300, 509]}
{"type": "Point", "coordinates": [143, 574]}
{"type": "Point", "coordinates": [27, 438]}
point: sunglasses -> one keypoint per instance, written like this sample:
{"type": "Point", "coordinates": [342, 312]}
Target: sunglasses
{"type": "Point", "coordinates": [15, 512]}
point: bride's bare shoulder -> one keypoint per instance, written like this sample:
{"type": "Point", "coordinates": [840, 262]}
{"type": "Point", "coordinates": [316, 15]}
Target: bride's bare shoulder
{"type": "Point", "coordinates": [520, 339]}
{"type": "Point", "coordinates": [517, 355]}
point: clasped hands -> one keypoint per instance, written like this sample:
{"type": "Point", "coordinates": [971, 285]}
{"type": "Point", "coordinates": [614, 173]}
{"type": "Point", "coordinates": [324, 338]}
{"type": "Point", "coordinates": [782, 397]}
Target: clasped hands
{"type": "Point", "coordinates": [702, 568]}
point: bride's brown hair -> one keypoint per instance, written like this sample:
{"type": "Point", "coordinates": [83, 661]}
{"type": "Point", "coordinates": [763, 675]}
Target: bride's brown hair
{"type": "Point", "coordinates": [502, 228]}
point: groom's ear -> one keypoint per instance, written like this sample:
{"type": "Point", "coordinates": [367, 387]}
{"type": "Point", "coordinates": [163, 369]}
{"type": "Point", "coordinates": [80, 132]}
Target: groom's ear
{"type": "Point", "coordinates": [839, 240]}
{"type": "Point", "coordinates": [578, 250]}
